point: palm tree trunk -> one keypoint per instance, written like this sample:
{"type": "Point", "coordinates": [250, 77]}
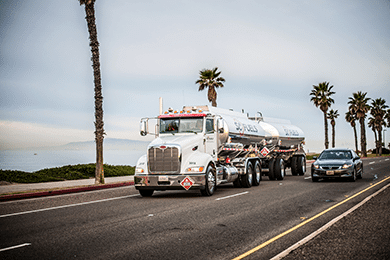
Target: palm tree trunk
{"type": "Point", "coordinates": [99, 125]}
{"type": "Point", "coordinates": [326, 131]}
{"type": "Point", "coordinates": [380, 140]}
{"type": "Point", "coordinates": [376, 142]}
{"type": "Point", "coordinates": [333, 136]}
{"type": "Point", "coordinates": [356, 141]}
{"type": "Point", "coordinates": [363, 137]}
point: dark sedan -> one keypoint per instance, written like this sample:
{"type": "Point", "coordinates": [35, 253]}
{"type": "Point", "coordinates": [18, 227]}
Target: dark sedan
{"type": "Point", "coordinates": [337, 163]}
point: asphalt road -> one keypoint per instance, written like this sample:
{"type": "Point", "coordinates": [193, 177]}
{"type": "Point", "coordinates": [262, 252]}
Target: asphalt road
{"type": "Point", "coordinates": [119, 224]}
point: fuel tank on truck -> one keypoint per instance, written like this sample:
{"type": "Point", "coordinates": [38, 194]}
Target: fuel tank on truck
{"type": "Point", "coordinates": [264, 130]}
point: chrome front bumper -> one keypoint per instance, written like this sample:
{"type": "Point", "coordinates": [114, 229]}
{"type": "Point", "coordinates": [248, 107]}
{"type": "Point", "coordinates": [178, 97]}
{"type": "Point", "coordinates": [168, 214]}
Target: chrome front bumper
{"type": "Point", "coordinates": [168, 182]}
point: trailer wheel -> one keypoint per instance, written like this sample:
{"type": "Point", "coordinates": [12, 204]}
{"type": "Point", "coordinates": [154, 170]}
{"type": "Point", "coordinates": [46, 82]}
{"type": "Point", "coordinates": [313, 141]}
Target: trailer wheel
{"type": "Point", "coordinates": [247, 178]}
{"type": "Point", "coordinates": [146, 193]}
{"type": "Point", "coordinates": [280, 169]}
{"type": "Point", "coordinates": [294, 165]}
{"type": "Point", "coordinates": [257, 174]}
{"type": "Point", "coordinates": [271, 169]}
{"type": "Point", "coordinates": [210, 182]}
{"type": "Point", "coordinates": [301, 162]}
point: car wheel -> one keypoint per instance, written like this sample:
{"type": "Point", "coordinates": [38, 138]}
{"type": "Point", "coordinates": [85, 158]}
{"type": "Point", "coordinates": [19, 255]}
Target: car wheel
{"type": "Point", "coordinates": [353, 178]}
{"type": "Point", "coordinates": [257, 174]}
{"type": "Point", "coordinates": [314, 179]}
{"type": "Point", "coordinates": [360, 176]}
{"type": "Point", "coordinates": [210, 182]}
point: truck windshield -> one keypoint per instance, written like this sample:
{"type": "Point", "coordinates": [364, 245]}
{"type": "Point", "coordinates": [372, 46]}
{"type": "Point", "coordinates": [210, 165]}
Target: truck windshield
{"type": "Point", "coordinates": [181, 125]}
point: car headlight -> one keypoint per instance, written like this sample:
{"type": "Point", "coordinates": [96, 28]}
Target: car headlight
{"type": "Point", "coordinates": [139, 170]}
{"type": "Point", "coordinates": [195, 169]}
{"type": "Point", "coordinates": [346, 166]}
{"type": "Point", "coordinates": [316, 166]}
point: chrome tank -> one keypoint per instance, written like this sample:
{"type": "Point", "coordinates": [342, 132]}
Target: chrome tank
{"type": "Point", "coordinates": [267, 131]}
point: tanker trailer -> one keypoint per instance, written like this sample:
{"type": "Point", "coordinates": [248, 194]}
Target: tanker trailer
{"type": "Point", "coordinates": [203, 147]}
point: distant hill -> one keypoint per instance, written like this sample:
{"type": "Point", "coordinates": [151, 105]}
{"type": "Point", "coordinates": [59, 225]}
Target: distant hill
{"type": "Point", "coordinates": [108, 144]}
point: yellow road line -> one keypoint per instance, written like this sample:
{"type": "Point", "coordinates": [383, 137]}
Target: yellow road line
{"type": "Point", "coordinates": [303, 223]}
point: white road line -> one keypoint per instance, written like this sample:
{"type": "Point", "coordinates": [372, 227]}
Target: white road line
{"type": "Point", "coordinates": [308, 178]}
{"type": "Point", "coordinates": [231, 196]}
{"type": "Point", "coordinates": [326, 226]}
{"type": "Point", "coordinates": [371, 162]}
{"type": "Point", "coordinates": [387, 159]}
{"type": "Point", "coordinates": [14, 247]}
{"type": "Point", "coordinates": [67, 206]}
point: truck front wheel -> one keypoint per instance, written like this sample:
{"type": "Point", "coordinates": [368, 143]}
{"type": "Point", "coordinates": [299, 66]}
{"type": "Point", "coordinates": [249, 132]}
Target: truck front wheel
{"type": "Point", "coordinates": [210, 182]}
{"type": "Point", "coordinates": [146, 193]}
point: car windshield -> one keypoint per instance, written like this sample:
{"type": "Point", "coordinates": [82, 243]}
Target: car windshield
{"type": "Point", "coordinates": [181, 125]}
{"type": "Point", "coordinates": [332, 155]}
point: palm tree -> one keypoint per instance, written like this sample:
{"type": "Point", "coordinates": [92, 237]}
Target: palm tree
{"type": "Point", "coordinates": [359, 107]}
{"type": "Point", "coordinates": [210, 79]}
{"type": "Point", "coordinates": [371, 124]}
{"type": "Point", "coordinates": [332, 115]}
{"type": "Point", "coordinates": [387, 117]}
{"type": "Point", "coordinates": [99, 130]}
{"type": "Point", "coordinates": [321, 97]}
{"type": "Point", "coordinates": [350, 118]}
{"type": "Point", "coordinates": [378, 111]}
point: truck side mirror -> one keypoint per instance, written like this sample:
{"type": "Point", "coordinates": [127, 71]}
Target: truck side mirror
{"type": "Point", "coordinates": [220, 125]}
{"type": "Point", "coordinates": [143, 127]}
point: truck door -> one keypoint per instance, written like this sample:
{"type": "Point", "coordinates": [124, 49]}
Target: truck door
{"type": "Point", "coordinates": [210, 140]}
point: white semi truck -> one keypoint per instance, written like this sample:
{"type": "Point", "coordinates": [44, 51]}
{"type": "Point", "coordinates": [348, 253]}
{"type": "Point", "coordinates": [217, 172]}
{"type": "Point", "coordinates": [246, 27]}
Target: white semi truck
{"type": "Point", "coordinates": [203, 147]}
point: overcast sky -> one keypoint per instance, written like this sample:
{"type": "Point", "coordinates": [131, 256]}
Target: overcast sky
{"type": "Point", "coordinates": [271, 53]}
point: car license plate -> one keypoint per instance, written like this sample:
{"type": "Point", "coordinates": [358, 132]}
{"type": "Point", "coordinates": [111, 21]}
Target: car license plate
{"type": "Point", "coordinates": [330, 173]}
{"type": "Point", "coordinates": [163, 178]}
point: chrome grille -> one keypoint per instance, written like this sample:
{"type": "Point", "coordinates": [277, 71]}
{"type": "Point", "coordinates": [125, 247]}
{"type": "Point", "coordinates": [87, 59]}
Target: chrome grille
{"type": "Point", "coordinates": [164, 160]}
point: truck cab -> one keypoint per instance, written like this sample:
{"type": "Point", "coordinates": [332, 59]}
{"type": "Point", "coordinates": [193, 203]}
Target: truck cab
{"type": "Point", "coordinates": [183, 152]}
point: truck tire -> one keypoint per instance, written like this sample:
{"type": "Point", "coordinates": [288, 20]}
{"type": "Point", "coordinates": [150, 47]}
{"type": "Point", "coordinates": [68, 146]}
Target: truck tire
{"type": "Point", "coordinates": [247, 178]}
{"type": "Point", "coordinates": [210, 182]}
{"type": "Point", "coordinates": [301, 162]}
{"type": "Point", "coordinates": [237, 182]}
{"type": "Point", "coordinates": [280, 169]}
{"type": "Point", "coordinates": [257, 174]}
{"type": "Point", "coordinates": [271, 169]}
{"type": "Point", "coordinates": [294, 165]}
{"type": "Point", "coordinates": [146, 193]}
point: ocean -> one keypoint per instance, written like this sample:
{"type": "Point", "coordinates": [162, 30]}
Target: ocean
{"type": "Point", "coordinates": [34, 160]}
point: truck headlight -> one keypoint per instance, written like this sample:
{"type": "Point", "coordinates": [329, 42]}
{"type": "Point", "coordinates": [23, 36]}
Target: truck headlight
{"type": "Point", "coordinates": [139, 170]}
{"type": "Point", "coordinates": [346, 166]}
{"type": "Point", "coordinates": [195, 169]}
{"type": "Point", "coordinates": [316, 166]}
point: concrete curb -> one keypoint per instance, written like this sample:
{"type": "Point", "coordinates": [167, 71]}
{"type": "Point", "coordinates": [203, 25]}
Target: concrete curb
{"type": "Point", "coordinates": [61, 191]}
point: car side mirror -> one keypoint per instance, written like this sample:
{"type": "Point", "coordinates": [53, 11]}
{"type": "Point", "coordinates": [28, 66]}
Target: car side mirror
{"type": "Point", "coordinates": [356, 158]}
{"type": "Point", "coordinates": [314, 157]}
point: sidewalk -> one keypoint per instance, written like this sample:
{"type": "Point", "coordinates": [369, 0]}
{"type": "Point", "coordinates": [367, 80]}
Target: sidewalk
{"type": "Point", "coordinates": [29, 190]}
